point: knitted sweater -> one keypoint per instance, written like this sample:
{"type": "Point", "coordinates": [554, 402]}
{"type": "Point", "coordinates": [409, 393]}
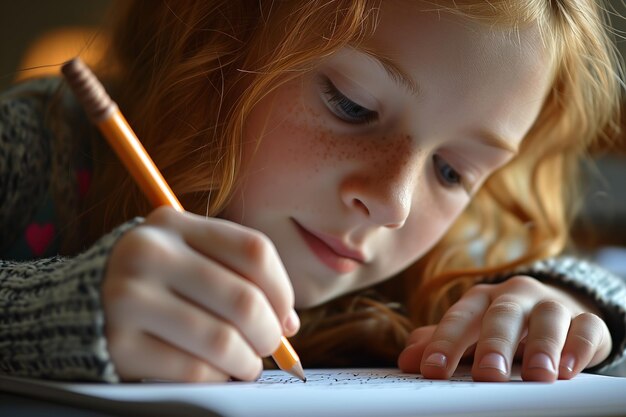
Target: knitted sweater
{"type": "Point", "coordinates": [51, 315]}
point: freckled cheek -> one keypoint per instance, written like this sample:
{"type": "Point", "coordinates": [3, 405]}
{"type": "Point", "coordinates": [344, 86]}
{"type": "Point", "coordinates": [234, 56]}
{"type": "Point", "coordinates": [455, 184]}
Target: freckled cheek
{"type": "Point", "coordinates": [289, 134]}
{"type": "Point", "coordinates": [296, 148]}
{"type": "Point", "coordinates": [388, 161]}
{"type": "Point", "coordinates": [305, 139]}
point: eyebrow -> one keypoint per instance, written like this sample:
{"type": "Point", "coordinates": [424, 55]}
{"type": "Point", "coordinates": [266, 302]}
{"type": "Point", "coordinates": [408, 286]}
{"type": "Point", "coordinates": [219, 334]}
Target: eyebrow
{"type": "Point", "coordinates": [394, 71]}
{"type": "Point", "coordinates": [400, 76]}
{"type": "Point", "coordinates": [496, 141]}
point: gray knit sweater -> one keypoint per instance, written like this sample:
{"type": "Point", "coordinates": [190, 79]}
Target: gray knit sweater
{"type": "Point", "coordinates": [51, 316]}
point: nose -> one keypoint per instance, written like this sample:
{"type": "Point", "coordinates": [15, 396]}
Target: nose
{"type": "Point", "coordinates": [383, 198]}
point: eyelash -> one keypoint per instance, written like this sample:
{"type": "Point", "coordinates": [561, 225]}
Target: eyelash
{"type": "Point", "coordinates": [342, 106]}
{"type": "Point", "coordinates": [457, 179]}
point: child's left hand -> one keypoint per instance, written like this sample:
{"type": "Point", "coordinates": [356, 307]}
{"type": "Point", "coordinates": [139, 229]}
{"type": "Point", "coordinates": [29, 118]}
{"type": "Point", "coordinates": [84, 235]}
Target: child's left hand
{"type": "Point", "coordinates": [557, 334]}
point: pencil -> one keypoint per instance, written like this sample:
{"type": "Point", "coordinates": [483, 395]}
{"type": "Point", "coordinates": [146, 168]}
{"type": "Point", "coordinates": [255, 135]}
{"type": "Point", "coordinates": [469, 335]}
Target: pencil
{"type": "Point", "coordinates": [105, 114]}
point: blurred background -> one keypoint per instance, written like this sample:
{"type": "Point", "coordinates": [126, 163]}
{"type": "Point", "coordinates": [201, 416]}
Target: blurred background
{"type": "Point", "coordinates": [24, 22]}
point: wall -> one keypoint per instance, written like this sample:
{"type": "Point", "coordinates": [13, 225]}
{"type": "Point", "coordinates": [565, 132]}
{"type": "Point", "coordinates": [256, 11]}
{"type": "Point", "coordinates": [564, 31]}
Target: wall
{"type": "Point", "coordinates": [22, 21]}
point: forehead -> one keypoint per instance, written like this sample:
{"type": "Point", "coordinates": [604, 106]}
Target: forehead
{"type": "Point", "coordinates": [409, 22]}
{"type": "Point", "coordinates": [479, 64]}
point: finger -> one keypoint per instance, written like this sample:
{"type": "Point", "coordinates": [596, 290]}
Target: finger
{"type": "Point", "coordinates": [410, 358]}
{"type": "Point", "coordinates": [246, 251]}
{"type": "Point", "coordinates": [140, 356]}
{"type": "Point", "coordinates": [588, 343]}
{"type": "Point", "coordinates": [421, 335]}
{"type": "Point", "coordinates": [198, 333]}
{"type": "Point", "coordinates": [501, 331]}
{"type": "Point", "coordinates": [457, 331]}
{"type": "Point", "coordinates": [234, 299]}
{"type": "Point", "coordinates": [548, 325]}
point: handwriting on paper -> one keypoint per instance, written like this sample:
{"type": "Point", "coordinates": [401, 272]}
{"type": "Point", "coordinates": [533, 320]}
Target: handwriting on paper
{"type": "Point", "coordinates": [383, 378]}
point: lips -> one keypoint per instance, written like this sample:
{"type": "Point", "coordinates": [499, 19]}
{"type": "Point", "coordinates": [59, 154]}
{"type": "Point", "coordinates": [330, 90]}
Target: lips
{"type": "Point", "coordinates": [331, 251]}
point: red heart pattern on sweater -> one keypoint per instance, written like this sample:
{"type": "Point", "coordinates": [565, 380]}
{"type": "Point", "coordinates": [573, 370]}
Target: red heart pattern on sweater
{"type": "Point", "coordinates": [39, 237]}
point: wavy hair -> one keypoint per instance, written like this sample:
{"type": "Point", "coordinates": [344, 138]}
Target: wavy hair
{"type": "Point", "coordinates": [188, 73]}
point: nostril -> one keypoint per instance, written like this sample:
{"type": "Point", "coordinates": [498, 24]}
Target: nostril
{"type": "Point", "coordinates": [394, 225]}
{"type": "Point", "coordinates": [361, 206]}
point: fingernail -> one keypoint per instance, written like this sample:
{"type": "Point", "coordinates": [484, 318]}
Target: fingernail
{"type": "Point", "coordinates": [292, 323]}
{"type": "Point", "coordinates": [493, 361]}
{"type": "Point", "coordinates": [568, 362]}
{"type": "Point", "coordinates": [436, 359]}
{"type": "Point", "coordinates": [541, 361]}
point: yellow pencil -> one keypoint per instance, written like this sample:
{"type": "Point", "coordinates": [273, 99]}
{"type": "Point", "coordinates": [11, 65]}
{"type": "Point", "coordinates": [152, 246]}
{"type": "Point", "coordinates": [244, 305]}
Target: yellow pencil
{"type": "Point", "coordinates": [105, 114]}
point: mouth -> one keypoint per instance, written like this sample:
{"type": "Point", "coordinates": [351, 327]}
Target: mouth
{"type": "Point", "coordinates": [331, 251]}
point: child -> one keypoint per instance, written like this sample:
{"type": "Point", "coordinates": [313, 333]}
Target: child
{"type": "Point", "coordinates": [403, 174]}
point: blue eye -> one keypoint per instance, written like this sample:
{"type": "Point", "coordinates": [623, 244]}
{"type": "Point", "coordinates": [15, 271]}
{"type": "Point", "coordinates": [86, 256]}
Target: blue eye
{"type": "Point", "coordinates": [346, 109]}
{"type": "Point", "coordinates": [446, 174]}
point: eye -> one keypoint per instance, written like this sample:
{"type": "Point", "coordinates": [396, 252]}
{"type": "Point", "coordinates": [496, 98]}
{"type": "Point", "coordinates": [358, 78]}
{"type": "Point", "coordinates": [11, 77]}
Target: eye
{"type": "Point", "coordinates": [446, 174]}
{"type": "Point", "coordinates": [346, 109]}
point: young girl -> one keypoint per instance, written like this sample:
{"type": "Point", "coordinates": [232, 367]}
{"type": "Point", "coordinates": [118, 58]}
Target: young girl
{"type": "Point", "coordinates": [402, 173]}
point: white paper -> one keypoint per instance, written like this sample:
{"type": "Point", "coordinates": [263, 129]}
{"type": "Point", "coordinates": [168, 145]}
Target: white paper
{"type": "Point", "coordinates": [376, 393]}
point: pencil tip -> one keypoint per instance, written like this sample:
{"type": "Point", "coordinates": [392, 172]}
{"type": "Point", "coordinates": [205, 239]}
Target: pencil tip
{"type": "Point", "coordinates": [297, 371]}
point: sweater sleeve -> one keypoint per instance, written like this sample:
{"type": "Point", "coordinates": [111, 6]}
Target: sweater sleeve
{"type": "Point", "coordinates": [51, 317]}
{"type": "Point", "coordinates": [607, 291]}
{"type": "Point", "coordinates": [25, 162]}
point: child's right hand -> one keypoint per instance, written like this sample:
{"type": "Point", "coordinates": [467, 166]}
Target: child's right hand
{"type": "Point", "coordinates": [188, 298]}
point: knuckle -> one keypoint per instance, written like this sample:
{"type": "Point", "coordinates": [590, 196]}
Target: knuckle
{"type": "Point", "coordinates": [145, 246]}
{"type": "Point", "coordinates": [522, 282]}
{"type": "Point", "coordinates": [193, 323]}
{"type": "Point", "coordinates": [480, 288]}
{"type": "Point", "coordinates": [222, 342]}
{"type": "Point", "coordinates": [162, 216]}
{"type": "Point", "coordinates": [247, 304]}
{"type": "Point", "coordinates": [547, 343]}
{"type": "Point", "coordinates": [454, 318]}
{"type": "Point", "coordinates": [590, 320]}
{"type": "Point", "coordinates": [589, 330]}
{"type": "Point", "coordinates": [258, 248]}
{"type": "Point", "coordinates": [584, 340]}
{"type": "Point", "coordinates": [550, 306]}
{"type": "Point", "coordinates": [507, 306]}
{"type": "Point", "coordinates": [499, 342]}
